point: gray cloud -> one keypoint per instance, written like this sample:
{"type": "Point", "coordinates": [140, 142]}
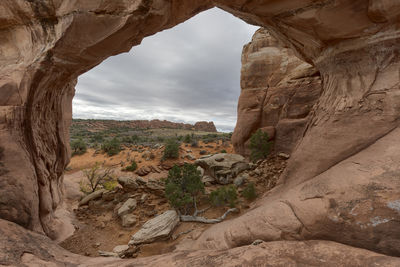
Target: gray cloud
{"type": "Point", "coordinates": [186, 74]}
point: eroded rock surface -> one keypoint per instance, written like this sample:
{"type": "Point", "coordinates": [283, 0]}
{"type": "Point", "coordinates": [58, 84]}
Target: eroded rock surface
{"type": "Point", "coordinates": [341, 182]}
{"type": "Point", "coordinates": [222, 167]}
{"type": "Point", "coordinates": [278, 93]}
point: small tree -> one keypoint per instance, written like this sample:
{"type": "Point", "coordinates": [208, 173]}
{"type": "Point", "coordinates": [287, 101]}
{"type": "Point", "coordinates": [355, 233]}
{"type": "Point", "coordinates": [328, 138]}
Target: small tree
{"type": "Point", "coordinates": [182, 187]}
{"type": "Point", "coordinates": [249, 192]}
{"type": "Point", "coordinates": [260, 145]}
{"type": "Point", "coordinates": [223, 196]}
{"type": "Point", "coordinates": [111, 147]}
{"type": "Point", "coordinates": [171, 150]}
{"type": "Point", "coordinates": [95, 177]}
{"type": "Point", "coordinates": [78, 147]}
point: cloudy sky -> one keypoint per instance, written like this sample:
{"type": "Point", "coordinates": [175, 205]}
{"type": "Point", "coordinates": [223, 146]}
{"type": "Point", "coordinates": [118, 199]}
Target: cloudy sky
{"type": "Point", "coordinates": [186, 74]}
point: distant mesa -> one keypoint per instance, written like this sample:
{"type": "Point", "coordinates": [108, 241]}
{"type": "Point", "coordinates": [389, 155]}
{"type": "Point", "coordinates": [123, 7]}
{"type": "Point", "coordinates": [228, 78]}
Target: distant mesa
{"type": "Point", "coordinates": [145, 124]}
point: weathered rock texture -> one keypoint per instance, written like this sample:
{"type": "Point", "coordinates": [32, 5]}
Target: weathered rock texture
{"type": "Point", "coordinates": [21, 247]}
{"type": "Point", "coordinates": [341, 182]}
{"type": "Point", "coordinates": [278, 93]}
{"type": "Point", "coordinates": [205, 126]}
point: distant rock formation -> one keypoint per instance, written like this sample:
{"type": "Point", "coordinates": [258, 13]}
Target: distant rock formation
{"type": "Point", "coordinates": [205, 126]}
{"type": "Point", "coordinates": [278, 93]}
{"type": "Point", "coordinates": [95, 125]}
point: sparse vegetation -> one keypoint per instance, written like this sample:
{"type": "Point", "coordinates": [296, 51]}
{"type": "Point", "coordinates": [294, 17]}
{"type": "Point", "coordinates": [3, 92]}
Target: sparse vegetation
{"type": "Point", "coordinates": [111, 147]}
{"type": "Point", "coordinates": [260, 145]}
{"type": "Point", "coordinates": [194, 144]}
{"type": "Point", "coordinates": [78, 147]}
{"type": "Point", "coordinates": [249, 192]}
{"type": "Point", "coordinates": [224, 196]}
{"type": "Point", "coordinates": [182, 187]}
{"type": "Point", "coordinates": [223, 151]}
{"type": "Point", "coordinates": [187, 139]}
{"type": "Point", "coordinates": [171, 150]}
{"type": "Point", "coordinates": [96, 177]}
{"type": "Point", "coordinates": [132, 167]}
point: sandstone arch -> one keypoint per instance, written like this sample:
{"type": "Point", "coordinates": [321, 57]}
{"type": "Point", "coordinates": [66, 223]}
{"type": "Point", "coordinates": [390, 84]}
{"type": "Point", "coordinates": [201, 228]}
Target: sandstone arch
{"type": "Point", "coordinates": [45, 45]}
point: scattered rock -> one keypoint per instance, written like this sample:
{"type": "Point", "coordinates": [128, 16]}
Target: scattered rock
{"type": "Point", "coordinates": [201, 170]}
{"type": "Point", "coordinates": [128, 182]}
{"type": "Point", "coordinates": [108, 254]}
{"type": "Point", "coordinates": [129, 220]}
{"type": "Point", "coordinates": [140, 181]}
{"type": "Point", "coordinates": [108, 196]}
{"type": "Point", "coordinates": [257, 242]}
{"type": "Point", "coordinates": [284, 155]}
{"type": "Point", "coordinates": [143, 198]}
{"type": "Point", "coordinates": [127, 207]}
{"type": "Point", "coordinates": [207, 179]}
{"type": "Point", "coordinates": [203, 152]}
{"type": "Point", "coordinates": [121, 249]}
{"type": "Point", "coordinates": [157, 228]}
{"type": "Point", "coordinates": [143, 171]}
{"type": "Point", "coordinates": [95, 195]}
{"type": "Point", "coordinates": [222, 167]}
{"type": "Point", "coordinates": [240, 179]}
{"type": "Point", "coordinates": [190, 157]}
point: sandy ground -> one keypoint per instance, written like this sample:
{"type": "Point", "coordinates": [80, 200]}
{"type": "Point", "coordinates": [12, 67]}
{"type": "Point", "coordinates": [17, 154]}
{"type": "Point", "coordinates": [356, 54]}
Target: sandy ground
{"type": "Point", "coordinates": [98, 227]}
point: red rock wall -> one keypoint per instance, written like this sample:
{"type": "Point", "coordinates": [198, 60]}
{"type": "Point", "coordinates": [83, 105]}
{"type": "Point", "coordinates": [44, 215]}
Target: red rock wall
{"type": "Point", "coordinates": [278, 93]}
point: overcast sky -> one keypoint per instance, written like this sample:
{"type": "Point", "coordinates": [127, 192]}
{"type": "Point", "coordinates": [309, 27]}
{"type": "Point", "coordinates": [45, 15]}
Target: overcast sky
{"type": "Point", "coordinates": [186, 74]}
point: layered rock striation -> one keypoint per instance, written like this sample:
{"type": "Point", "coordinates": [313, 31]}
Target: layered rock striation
{"type": "Point", "coordinates": [341, 182]}
{"type": "Point", "coordinates": [278, 93]}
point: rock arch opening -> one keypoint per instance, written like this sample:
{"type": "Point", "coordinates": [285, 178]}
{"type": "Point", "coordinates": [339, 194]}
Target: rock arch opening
{"type": "Point", "coordinates": [46, 45]}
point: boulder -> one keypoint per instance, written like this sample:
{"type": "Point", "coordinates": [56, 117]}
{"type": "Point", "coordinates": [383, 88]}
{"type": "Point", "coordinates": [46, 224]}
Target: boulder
{"type": "Point", "coordinates": [201, 170]}
{"type": "Point", "coordinates": [190, 157]}
{"type": "Point", "coordinates": [95, 195]}
{"type": "Point", "coordinates": [128, 220]}
{"type": "Point", "coordinates": [128, 182]}
{"type": "Point", "coordinates": [240, 179]}
{"type": "Point", "coordinates": [157, 228]}
{"type": "Point", "coordinates": [143, 171]}
{"type": "Point", "coordinates": [127, 207]}
{"type": "Point", "coordinates": [222, 167]}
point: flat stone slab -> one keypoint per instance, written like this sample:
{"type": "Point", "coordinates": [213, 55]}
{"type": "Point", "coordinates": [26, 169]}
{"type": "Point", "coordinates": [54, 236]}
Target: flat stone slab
{"type": "Point", "coordinates": [157, 228]}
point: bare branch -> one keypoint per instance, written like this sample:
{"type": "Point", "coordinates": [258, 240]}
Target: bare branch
{"type": "Point", "coordinates": [188, 218]}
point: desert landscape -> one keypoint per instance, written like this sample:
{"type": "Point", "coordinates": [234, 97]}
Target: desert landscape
{"type": "Point", "coordinates": [100, 229]}
{"type": "Point", "coordinates": [309, 176]}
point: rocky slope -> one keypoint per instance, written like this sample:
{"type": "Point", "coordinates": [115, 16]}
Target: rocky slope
{"type": "Point", "coordinates": [278, 93]}
{"type": "Point", "coordinates": [341, 182]}
{"type": "Point", "coordinates": [96, 125]}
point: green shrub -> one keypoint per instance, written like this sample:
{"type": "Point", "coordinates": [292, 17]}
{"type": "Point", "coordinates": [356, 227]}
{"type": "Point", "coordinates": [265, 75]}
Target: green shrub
{"type": "Point", "coordinates": [111, 147]}
{"type": "Point", "coordinates": [97, 138]}
{"type": "Point", "coordinates": [187, 139]}
{"type": "Point", "coordinates": [260, 145]}
{"type": "Point", "coordinates": [182, 187]}
{"type": "Point", "coordinates": [223, 196]}
{"type": "Point", "coordinates": [249, 192]}
{"type": "Point", "coordinates": [132, 167]}
{"type": "Point", "coordinates": [223, 151]}
{"type": "Point", "coordinates": [171, 150]}
{"type": "Point", "coordinates": [110, 185]}
{"type": "Point", "coordinates": [78, 147]}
